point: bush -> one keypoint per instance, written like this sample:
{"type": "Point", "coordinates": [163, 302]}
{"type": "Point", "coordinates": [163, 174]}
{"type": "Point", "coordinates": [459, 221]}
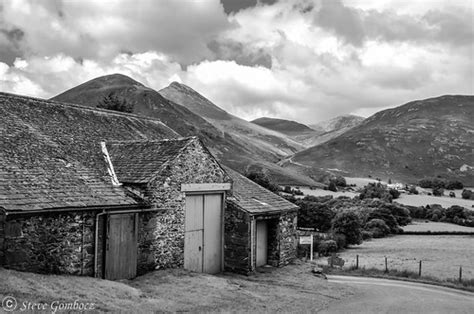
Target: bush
{"type": "Point", "coordinates": [454, 185]}
{"type": "Point", "coordinates": [378, 228]}
{"type": "Point", "coordinates": [467, 194]}
{"type": "Point", "coordinates": [438, 191]}
{"type": "Point", "coordinates": [367, 235]}
{"type": "Point", "coordinates": [348, 224]}
{"type": "Point", "coordinates": [314, 215]}
{"type": "Point", "coordinates": [455, 211]}
{"type": "Point", "coordinates": [340, 181]}
{"type": "Point", "coordinates": [332, 186]}
{"type": "Point", "coordinates": [376, 190]}
{"type": "Point", "coordinates": [395, 194]}
{"type": "Point", "coordinates": [385, 215]}
{"type": "Point", "coordinates": [326, 247]}
{"type": "Point", "coordinates": [340, 240]}
{"type": "Point", "coordinates": [413, 190]}
{"type": "Point", "coordinates": [113, 102]}
{"type": "Point", "coordinates": [262, 179]}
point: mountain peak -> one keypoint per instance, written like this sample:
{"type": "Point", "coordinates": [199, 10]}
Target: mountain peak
{"type": "Point", "coordinates": [281, 125]}
{"type": "Point", "coordinates": [114, 79]}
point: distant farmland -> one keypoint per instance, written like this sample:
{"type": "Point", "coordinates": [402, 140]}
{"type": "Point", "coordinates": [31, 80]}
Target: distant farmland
{"type": "Point", "coordinates": [441, 255]}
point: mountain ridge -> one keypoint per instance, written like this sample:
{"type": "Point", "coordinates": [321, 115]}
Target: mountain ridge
{"type": "Point", "coordinates": [422, 138]}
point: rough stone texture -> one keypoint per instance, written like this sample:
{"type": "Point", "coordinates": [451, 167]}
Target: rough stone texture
{"type": "Point", "coordinates": [287, 237]}
{"type": "Point", "coordinates": [53, 243]}
{"type": "Point", "coordinates": [2, 237]}
{"type": "Point", "coordinates": [273, 254]}
{"type": "Point", "coordinates": [237, 241]}
{"type": "Point", "coordinates": [161, 239]}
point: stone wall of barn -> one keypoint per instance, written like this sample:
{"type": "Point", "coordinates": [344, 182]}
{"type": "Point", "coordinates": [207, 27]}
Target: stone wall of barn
{"type": "Point", "coordinates": [59, 243]}
{"type": "Point", "coordinates": [287, 237]}
{"type": "Point", "coordinates": [237, 242]}
{"type": "Point", "coordinates": [161, 243]}
{"type": "Point", "coordinates": [2, 237]}
{"type": "Point", "coordinates": [273, 229]}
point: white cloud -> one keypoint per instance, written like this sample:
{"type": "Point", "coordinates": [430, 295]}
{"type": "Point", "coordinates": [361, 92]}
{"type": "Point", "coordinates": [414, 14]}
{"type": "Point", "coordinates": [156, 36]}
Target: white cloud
{"type": "Point", "coordinates": [281, 60]}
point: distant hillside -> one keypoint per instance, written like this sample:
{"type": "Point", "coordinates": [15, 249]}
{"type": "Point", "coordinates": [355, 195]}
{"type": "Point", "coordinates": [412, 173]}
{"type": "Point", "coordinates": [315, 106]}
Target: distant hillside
{"type": "Point", "coordinates": [425, 138]}
{"type": "Point", "coordinates": [287, 127]}
{"type": "Point", "coordinates": [146, 101]}
{"type": "Point", "coordinates": [337, 123]}
{"type": "Point", "coordinates": [230, 148]}
{"type": "Point", "coordinates": [258, 136]}
{"type": "Point", "coordinates": [266, 146]}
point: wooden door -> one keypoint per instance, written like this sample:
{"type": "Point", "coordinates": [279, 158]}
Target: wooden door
{"type": "Point", "coordinates": [212, 241]}
{"type": "Point", "coordinates": [262, 242]}
{"type": "Point", "coordinates": [121, 247]}
{"type": "Point", "coordinates": [203, 233]}
{"type": "Point", "coordinates": [193, 236]}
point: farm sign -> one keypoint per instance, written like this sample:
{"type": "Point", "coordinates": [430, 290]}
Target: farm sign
{"type": "Point", "coordinates": [308, 240]}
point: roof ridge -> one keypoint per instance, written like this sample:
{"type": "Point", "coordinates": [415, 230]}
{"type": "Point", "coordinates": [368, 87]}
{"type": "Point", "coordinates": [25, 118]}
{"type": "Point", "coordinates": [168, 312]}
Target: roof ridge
{"type": "Point", "coordinates": [95, 109]}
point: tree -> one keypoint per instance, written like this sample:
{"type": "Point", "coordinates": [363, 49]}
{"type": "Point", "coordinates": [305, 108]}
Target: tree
{"type": "Point", "coordinates": [376, 190]}
{"type": "Point", "coordinates": [262, 179]}
{"type": "Point", "coordinates": [386, 215]}
{"type": "Point", "coordinates": [378, 228]}
{"type": "Point", "coordinates": [348, 224]}
{"type": "Point", "coordinates": [339, 181]}
{"type": "Point", "coordinates": [332, 186]}
{"type": "Point", "coordinates": [113, 102]}
{"type": "Point", "coordinates": [413, 190]}
{"type": "Point", "coordinates": [314, 215]}
{"type": "Point", "coordinates": [395, 194]}
{"type": "Point", "coordinates": [454, 185]}
{"type": "Point", "coordinates": [438, 191]}
{"type": "Point", "coordinates": [467, 194]}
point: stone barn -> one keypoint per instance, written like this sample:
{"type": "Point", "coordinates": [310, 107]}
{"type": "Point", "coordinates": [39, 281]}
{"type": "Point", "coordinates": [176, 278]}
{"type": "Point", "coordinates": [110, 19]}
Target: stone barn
{"type": "Point", "coordinates": [64, 210]}
{"type": "Point", "coordinates": [260, 227]}
{"type": "Point", "coordinates": [187, 187]}
{"type": "Point", "coordinates": [87, 191]}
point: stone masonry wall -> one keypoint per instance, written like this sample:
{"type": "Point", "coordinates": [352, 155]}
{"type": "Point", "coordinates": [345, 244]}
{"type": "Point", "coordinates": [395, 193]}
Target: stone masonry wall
{"type": "Point", "coordinates": [161, 243]}
{"type": "Point", "coordinates": [288, 238]}
{"type": "Point", "coordinates": [273, 254]}
{"type": "Point", "coordinates": [2, 237]}
{"type": "Point", "coordinates": [237, 240]}
{"type": "Point", "coordinates": [60, 243]}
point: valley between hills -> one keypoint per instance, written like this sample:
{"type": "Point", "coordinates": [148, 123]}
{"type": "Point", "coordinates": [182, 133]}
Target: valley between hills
{"type": "Point", "coordinates": [421, 139]}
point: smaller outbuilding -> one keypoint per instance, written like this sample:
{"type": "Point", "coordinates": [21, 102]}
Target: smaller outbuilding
{"type": "Point", "coordinates": [260, 227]}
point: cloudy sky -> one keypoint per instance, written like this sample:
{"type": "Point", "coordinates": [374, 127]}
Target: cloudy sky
{"type": "Point", "coordinates": [306, 60]}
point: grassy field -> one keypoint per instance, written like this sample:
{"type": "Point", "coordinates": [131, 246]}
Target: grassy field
{"type": "Point", "coordinates": [289, 289]}
{"type": "Point", "coordinates": [424, 225]}
{"type": "Point", "coordinates": [441, 255]}
{"type": "Point", "coordinates": [444, 201]}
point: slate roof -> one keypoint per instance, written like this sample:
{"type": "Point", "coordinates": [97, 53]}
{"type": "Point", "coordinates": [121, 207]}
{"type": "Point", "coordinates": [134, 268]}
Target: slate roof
{"type": "Point", "coordinates": [140, 161]}
{"type": "Point", "coordinates": [254, 198]}
{"type": "Point", "coordinates": [50, 154]}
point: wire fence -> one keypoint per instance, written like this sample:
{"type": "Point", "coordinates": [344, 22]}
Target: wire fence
{"type": "Point", "coordinates": [441, 269]}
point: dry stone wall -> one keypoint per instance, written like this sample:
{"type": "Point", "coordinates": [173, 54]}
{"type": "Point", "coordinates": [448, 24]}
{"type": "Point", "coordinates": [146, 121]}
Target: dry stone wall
{"type": "Point", "coordinates": [236, 240]}
{"type": "Point", "coordinates": [54, 243]}
{"type": "Point", "coordinates": [287, 237]}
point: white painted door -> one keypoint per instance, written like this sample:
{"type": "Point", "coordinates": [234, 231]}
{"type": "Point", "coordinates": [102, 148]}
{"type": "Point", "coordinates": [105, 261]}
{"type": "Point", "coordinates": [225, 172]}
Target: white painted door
{"type": "Point", "coordinates": [262, 242]}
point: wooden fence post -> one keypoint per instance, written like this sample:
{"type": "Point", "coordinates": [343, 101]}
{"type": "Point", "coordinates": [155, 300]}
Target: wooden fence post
{"type": "Point", "coordinates": [419, 270]}
{"type": "Point", "coordinates": [386, 266]}
{"type": "Point", "coordinates": [460, 273]}
{"type": "Point", "coordinates": [357, 261]}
